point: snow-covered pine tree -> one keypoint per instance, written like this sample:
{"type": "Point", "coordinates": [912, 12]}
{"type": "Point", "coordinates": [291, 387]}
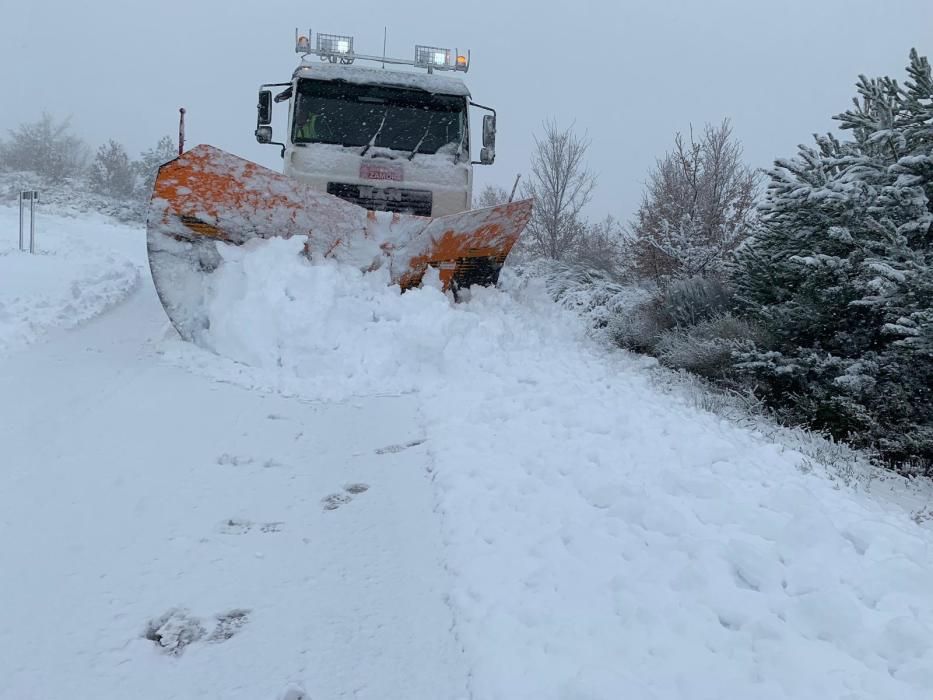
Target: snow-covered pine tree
{"type": "Point", "coordinates": [840, 273]}
{"type": "Point", "coordinates": [112, 173]}
{"type": "Point", "coordinates": [148, 165]}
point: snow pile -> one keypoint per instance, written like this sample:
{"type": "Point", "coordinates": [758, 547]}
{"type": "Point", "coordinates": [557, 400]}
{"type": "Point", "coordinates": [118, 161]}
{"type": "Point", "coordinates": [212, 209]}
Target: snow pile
{"type": "Point", "coordinates": [605, 540]}
{"type": "Point", "coordinates": [75, 275]}
{"type": "Point", "coordinates": [329, 331]}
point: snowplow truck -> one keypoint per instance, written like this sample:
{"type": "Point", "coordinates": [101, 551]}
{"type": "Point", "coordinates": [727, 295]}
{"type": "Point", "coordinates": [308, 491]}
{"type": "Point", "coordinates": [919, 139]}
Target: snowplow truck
{"type": "Point", "coordinates": [377, 172]}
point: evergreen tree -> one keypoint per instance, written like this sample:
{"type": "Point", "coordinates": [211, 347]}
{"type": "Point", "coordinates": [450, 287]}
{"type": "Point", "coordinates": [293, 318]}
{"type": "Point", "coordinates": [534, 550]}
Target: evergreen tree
{"type": "Point", "coordinates": [840, 273]}
{"type": "Point", "coordinates": [112, 173]}
{"type": "Point", "coordinates": [147, 167]}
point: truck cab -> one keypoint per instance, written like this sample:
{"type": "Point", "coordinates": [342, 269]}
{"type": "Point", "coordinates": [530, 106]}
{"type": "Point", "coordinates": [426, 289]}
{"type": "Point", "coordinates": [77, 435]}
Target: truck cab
{"type": "Point", "coordinates": [385, 139]}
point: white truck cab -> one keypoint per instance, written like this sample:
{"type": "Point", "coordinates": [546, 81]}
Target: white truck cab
{"type": "Point", "coordinates": [387, 140]}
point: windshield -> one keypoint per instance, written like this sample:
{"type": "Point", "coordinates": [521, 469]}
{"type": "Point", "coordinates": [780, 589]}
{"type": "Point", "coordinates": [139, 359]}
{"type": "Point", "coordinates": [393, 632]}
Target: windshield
{"type": "Point", "coordinates": [350, 114]}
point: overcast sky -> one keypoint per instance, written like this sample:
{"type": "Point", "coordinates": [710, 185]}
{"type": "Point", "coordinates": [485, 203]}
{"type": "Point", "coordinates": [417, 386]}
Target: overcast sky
{"type": "Point", "coordinates": [629, 73]}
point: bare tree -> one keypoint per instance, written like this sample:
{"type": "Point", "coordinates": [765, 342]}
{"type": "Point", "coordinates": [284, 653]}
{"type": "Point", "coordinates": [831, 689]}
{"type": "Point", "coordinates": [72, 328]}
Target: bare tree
{"type": "Point", "coordinates": [46, 147]}
{"type": "Point", "coordinates": [561, 186]}
{"type": "Point", "coordinates": [491, 196]}
{"type": "Point", "coordinates": [698, 206]}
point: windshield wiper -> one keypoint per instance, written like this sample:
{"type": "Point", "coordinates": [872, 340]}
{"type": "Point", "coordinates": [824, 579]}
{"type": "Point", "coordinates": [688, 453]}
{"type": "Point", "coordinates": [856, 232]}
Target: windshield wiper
{"type": "Point", "coordinates": [423, 137]}
{"type": "Point", "coordinates": [372, 141]}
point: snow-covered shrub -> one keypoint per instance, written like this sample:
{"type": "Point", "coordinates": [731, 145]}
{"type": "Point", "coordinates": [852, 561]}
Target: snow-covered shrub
{"type": "Point", "coordinates": [654, 314]}
{"type": "Point", "coordinates": [595, 294]}
{"type": "Point", "coordinates": [46, 147]}
{"type": "Point", "coordinates": [634, 316]}
{"type": "Point", "coordinates": [640, 326]}
{"type": "Point", "coordinates": [601, 247]}
{"type": "Point", "coordinates": [688, 301]}
{"type": "Point", "coordinates": [48, 158]}
{"type": "Point", "coordinates": [69, 197]}
{"type": "Point", "coordinates": [707, 347]}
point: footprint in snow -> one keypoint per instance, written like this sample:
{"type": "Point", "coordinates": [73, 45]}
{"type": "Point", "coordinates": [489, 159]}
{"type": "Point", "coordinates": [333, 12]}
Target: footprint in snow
{"type": "Point", "coordinates": [239, 526]}
{"type": "Point", "coordinates": [228, 624]}
{"type": "Point", "coordinates": [234, 460]}
{"type": "Point", "coordinates": [238, 461]}
{"type": "Point", "coordinates": [174, 630]}
{"type": "Point", "coordinates": [235, 526]}
{"type": "Point", "coordinates": [335, 500]}
{"type": "Point", "coordinates": [178, 628]}
{"type": "Point", "coordinates": [294, 692]}
{"type": "Point", "coordinates": [392, 449]}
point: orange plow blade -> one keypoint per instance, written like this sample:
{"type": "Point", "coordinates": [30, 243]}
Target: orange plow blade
{"type": "Point", "coordinates": [207, 198]}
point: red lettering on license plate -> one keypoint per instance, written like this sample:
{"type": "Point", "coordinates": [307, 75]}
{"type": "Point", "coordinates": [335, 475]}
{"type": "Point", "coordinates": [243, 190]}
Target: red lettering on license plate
{"type": "Point", "coordinates": [380, 171]}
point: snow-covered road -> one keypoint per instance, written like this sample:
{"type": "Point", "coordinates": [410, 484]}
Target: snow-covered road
{"type": "Point", "coordinates": [402, 498]}
{"type": "Point", "coordinates": [82, 267]}
{"type": "Point", "coordinates": [133, 490]}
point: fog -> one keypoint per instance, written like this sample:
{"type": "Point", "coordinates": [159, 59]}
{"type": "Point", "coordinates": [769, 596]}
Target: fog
{"type": "Point", "coordinates": [628, 74]}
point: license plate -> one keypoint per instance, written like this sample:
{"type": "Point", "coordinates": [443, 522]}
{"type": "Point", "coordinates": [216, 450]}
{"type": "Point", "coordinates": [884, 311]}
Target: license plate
{"type": "Point", "coordinates": [381, 171]}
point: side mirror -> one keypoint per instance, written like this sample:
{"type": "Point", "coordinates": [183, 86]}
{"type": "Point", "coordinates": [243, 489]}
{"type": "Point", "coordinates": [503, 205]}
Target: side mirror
{"type": "Point", "coordinates": [264, 134]}
{"type": "Point", "coordinates": [265, 108]}
{"type": "Point", "coordinates": [487, 156]}
{"type": "Point", "coordinates": [489, 131]}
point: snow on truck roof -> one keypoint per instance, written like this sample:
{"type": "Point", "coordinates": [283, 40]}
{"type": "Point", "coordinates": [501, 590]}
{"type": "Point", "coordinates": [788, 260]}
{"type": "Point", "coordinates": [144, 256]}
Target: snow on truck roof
{"type": "Point", "coordinates": [429, 82]}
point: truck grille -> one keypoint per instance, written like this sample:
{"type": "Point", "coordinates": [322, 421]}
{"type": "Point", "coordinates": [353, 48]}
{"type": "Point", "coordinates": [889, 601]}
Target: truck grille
{"type": "Point", "coordinates": [417, 202]}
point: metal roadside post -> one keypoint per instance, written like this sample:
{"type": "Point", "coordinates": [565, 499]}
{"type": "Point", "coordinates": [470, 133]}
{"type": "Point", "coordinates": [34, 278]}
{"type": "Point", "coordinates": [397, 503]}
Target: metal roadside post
{"type": "Point", "coordinates": [33, 197]}
{"type": "Point", "coordinates": [21, 246]}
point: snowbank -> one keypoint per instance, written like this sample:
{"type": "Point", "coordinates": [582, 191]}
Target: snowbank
{"type": "Point", "coordinates": [81, 268]}
{"type": "Point", "coordinates": [606, 540]}
{"type": "Point", "coordinates": [322, 329]}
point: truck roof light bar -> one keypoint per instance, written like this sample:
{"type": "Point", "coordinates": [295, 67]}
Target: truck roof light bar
{"type": "Point", "coordinates": [338, 48]}
{"type": "Point", "coordinates": [431, 56]}
{"type": "Point", "coordinates": [334, 45]}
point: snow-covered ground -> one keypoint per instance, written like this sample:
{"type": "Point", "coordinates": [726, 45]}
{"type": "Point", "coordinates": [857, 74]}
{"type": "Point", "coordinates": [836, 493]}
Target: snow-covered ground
{"type": "Point", "coordinates": [80, 268]}
{"type": "Point", "coordinates": [378, 495]}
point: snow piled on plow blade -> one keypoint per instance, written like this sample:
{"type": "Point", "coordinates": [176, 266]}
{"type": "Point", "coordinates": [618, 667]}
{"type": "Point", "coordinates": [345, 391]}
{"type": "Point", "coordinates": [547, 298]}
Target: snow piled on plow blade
{"type": "Point", "coordinates": [605, 539]}
{"type": "Point", "coordinates": [207, 199]}
{"type": "Point", "coordinates": [323, 329]}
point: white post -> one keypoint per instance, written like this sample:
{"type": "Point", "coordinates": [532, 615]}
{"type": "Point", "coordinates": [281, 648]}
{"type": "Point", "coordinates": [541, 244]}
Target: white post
{"type": "Point", "coordinates": [32, 221]}
{"type": "Point", "coordinates": [33, 197]}
{"type": "Point", "coordinates": [22, 245]}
